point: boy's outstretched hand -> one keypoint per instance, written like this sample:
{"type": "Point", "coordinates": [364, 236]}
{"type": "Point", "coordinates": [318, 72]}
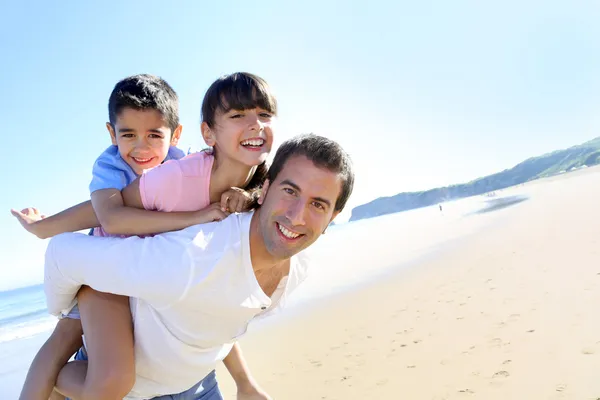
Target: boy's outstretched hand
{"type": "Point", "coordinates": [28, 218]}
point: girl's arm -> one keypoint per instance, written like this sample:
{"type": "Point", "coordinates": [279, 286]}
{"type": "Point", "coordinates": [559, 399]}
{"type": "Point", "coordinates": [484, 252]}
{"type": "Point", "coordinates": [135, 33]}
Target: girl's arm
{"type": "Point", "coordinates": [123, 213]}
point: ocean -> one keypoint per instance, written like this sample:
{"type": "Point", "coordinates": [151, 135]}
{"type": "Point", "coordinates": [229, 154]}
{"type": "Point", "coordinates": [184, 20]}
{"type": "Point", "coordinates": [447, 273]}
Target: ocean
{"type": "Point", "coordinates": [347, 255]}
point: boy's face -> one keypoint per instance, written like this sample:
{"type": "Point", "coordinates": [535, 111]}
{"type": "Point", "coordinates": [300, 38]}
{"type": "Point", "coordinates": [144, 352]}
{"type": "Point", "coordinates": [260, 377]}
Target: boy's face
{"type": "Point", "coordinates": [143, 138]}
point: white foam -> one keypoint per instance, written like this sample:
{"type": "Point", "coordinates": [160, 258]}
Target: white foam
{"type": "Point", "coordinates": [27, 329]}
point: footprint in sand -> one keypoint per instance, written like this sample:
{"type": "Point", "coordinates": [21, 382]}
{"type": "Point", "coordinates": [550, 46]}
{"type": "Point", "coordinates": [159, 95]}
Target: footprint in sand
{"type": "Point", "coordinates": [506, 362]}
{"type": "Point", "coordinates": [497, 342]}
{"type": "Point", "coordinates": [468, 391]}
{"type": "Point", "coordinates": [501, 374]}
{"type": "Point", "coordinates": [588, 350]}
{"type": "Point", "coordinates": [561, 387]}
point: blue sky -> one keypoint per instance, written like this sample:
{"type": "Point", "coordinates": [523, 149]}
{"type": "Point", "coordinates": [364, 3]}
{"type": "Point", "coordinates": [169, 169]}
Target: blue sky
{"type": "Point", "coordinates": [421, 93]}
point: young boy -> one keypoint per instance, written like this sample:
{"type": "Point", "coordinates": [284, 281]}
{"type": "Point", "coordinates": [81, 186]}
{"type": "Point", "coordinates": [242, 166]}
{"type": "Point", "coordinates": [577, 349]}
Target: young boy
{"type": "Point", "coordinates": [144, 129]}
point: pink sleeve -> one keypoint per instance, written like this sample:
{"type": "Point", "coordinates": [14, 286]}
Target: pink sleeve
{"type": "Point", "coordinates": [160, 187]}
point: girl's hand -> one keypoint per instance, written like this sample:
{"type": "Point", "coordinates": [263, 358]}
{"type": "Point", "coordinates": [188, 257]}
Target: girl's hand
{"type": "Point", "coordinates": [212, 213]}
{"type": "Point", "coordinates": [28, 218]}
{"type": "Point", "coordinates": [236, 200]}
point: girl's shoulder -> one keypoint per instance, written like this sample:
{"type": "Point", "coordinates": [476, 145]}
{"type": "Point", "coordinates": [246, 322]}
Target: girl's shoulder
{"type": "Point", "coordinates": [196, 164]}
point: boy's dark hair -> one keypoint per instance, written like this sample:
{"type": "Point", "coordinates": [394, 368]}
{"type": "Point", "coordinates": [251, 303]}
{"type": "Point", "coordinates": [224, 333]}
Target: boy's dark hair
{"type": "Point", "coordinates": [324, 153]}
{"type": "Point", "coordinates": [239, 91]}
{"type": "Point", "coordinates": [144, 92]}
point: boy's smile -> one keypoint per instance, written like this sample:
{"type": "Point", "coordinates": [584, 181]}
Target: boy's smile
{"type": "Point", "coordinates": [143, 138]}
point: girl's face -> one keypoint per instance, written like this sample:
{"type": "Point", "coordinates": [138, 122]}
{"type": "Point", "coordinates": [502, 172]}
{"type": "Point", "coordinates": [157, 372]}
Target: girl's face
{"type": "Point", "coordinates": [243, 136]}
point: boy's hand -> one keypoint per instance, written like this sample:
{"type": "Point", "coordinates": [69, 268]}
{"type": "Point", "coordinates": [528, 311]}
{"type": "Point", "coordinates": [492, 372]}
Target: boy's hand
{"type": "Point", "coordinates": [28, 218]}
{"type": "Point", "coordinates": [236, 200]}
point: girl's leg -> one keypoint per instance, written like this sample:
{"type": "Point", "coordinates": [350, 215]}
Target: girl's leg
{"type": "Point", "coordinates": [52, 356]}
{"type": "Point", "coordinates": [108, 329]}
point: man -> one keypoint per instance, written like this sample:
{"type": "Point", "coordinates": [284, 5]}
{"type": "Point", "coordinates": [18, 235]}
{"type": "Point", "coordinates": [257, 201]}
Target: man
{"type": "Point", "coordinates": [194, 292]}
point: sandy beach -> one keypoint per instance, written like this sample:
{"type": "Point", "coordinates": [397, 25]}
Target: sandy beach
{"type": "Point", "coordinates": [510, 312]}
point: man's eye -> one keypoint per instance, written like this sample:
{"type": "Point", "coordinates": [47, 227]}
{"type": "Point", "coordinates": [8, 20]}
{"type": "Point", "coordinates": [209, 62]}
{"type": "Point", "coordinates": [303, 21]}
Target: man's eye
{"type": "Point", "coordinates": [288, 190]}
{"type": "Point", "coordinates": [266, 115]}
{"type": "Point", "coordinates": [318, 205]}
{"type": "Point", "coordinates": [127, 135]}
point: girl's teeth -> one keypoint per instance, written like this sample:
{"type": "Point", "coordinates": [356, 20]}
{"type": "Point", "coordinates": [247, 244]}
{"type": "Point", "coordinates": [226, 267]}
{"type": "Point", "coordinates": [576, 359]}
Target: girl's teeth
{"type": "Point", "coordinates": [253, 142]}
{"type": "Point", "coordinates": [287, 233]}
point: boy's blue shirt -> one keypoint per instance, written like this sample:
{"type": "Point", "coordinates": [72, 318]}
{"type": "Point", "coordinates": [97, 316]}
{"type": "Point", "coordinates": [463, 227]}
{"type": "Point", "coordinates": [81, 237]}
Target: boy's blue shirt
{"type": "Point", "coordinates": [110, 171]}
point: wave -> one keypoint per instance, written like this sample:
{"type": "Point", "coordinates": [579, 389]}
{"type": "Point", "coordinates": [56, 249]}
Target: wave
{"type": "Point", "coordinates": [27, 329]}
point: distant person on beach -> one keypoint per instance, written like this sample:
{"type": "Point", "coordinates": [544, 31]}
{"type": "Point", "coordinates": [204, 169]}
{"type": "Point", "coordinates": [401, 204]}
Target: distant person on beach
{"type": "Point", "coordinates": [193, 292]}
{"type": "Point", "coordinates": [144, 126]}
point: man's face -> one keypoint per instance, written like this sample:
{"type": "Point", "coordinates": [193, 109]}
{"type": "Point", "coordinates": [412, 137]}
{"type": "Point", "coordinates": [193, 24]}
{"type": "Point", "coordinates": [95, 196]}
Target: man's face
{"type": "Point", "coordinates": [297, 207]}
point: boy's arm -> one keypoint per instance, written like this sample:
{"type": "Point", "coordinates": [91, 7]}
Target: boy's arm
{"type": "Point", "coordinates": [76, 218]}
{"type": "Point", "coordinates": [123, 213]}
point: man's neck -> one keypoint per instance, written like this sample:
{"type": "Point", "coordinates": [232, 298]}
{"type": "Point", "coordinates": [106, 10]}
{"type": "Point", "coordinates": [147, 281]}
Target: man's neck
{"type": "Point", "coordinates": [262, 260]}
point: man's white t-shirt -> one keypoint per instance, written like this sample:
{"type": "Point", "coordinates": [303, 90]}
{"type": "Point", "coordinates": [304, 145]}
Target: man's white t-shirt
{"type": "Point", "coordinates": [193, 293]}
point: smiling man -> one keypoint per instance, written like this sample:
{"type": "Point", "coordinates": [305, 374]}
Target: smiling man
{"type": "Point", "coordinates": [193, 292]}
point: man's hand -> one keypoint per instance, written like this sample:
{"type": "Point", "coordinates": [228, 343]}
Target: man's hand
{"type": "Point", "coordinates": [252, 392]}
{"type": "Point", "coordinates": [236, 200]}
{"type": "Point", "coordinates": [28, 218]}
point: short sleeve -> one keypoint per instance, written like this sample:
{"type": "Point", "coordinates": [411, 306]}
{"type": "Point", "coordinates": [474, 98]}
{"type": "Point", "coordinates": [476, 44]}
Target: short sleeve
{"type": "Point", "coordinates": [110, 171]}
{"type": "Point", "coordinates": [160, 187]}
{"type": "Point", "coordinates": [175, 153]}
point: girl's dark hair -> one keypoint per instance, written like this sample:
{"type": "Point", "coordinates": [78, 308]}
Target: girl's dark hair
{"type": "Point", "coordinates": [239, 91]}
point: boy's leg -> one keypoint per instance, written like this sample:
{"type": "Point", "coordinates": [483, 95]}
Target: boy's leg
{"type": "Point", "coordinates": [108, 330]}
{"type": "Point", "coordinates": [52, 356]}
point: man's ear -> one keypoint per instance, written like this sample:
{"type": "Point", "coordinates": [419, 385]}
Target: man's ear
{"type": "Point", "coordinates": [111, 131]}
{"type": "Point", "coordinates": [263, 192]}
{"type": "Point", "coordinates": [176, 135]}
{"type": "Point", "coordinates": [207, 134]}
{"type": "Point", "coordinates": [335, 214]}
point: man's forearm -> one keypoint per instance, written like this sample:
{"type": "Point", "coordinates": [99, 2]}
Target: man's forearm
{"type": "Point", "coordinates": [72, 219]}
{"type": "Point", "coordinates": [237, 367]}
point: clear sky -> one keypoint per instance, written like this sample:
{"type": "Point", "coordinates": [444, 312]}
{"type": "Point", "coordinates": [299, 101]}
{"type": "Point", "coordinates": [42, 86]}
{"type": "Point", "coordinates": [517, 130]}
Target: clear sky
{"type": "Point", "coordinates": [421, 93]}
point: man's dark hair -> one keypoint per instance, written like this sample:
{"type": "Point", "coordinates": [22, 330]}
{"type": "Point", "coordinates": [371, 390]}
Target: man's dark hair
{"type": "Point", "coordinates": [324, 153]}
{"type": "Point", "coordinates": [144, 92]}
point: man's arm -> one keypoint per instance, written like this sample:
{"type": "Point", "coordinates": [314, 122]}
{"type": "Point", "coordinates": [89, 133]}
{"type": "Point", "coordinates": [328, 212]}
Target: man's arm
{"type": "Point", "coordinates": [76, 218]}
{"type": "Point", "coordinates": [239, 371]}
{"type": "Point", "coordinates": [155, 269]}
